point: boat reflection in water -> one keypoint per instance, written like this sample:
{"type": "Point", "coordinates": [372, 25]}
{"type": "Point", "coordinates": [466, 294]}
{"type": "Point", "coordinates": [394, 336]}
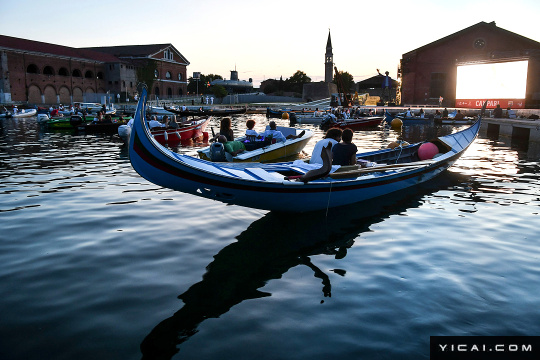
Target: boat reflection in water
{"type": "Point", "coordinates": [271, 246]}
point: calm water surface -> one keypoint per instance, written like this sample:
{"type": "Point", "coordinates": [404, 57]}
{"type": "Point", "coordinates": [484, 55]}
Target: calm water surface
{"type": "Point", "coordinates": [97, 263]}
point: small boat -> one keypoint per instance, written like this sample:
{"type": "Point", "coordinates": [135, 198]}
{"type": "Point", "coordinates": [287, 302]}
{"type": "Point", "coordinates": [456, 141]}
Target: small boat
{"type": "Point", "coordinates": [353, 124]}
{"type": "Point", "coordinates": [275, 186]}
{"type": "Point", "coordinates": [314, 119]}
{"type": "Point", "coordinates": [189, 130]}
{"type": "Point", "coordinates": [23, 113]}
{"type": "Point", "coordinates": [406, 119]}
{"type": "Point", "coordinates": [452, 121]}
{"type": "Point", "coordinates": [259, 150]}
{"type": "Point", "coordinates": [207, 112]}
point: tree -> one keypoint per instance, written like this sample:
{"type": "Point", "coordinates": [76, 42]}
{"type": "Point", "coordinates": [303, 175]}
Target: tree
{"type": "Point", "coordinates": [346, 79]}
{"type": "Point", "coordinates": [296, 82]}
{"type": "Point", "coordinates": [219, 92]}
{"type": "Point", "coordinates": [146, 73]}
{"type": "Point", "coordinates": [195, 85]}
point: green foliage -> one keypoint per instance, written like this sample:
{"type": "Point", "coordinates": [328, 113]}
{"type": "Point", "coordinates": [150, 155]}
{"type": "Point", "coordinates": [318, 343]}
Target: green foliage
{"type": "Point", "coordinates": [202, 87]}
{"type": "Point", "coordinates": [293, 84]}
{"type": "Point", "coordinates": [219, 91]}
{"type": "Point", "coordinates": [346, 79]}
{"type": "Point", "coordinates": [145, 73]}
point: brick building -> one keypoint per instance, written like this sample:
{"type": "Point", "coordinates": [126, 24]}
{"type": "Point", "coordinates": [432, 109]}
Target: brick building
{"type": "Point", "coordinates": [431, 70]}
{"type": "Point", "coordinates": [43, 73]}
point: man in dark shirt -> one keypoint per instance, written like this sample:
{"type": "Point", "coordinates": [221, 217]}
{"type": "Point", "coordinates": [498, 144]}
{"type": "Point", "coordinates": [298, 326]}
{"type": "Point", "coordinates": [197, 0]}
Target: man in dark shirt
{"type": "Point", "coordinates": [344, 153]}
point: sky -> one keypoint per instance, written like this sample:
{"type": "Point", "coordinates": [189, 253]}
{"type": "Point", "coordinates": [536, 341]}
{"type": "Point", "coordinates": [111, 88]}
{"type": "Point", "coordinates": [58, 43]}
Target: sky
{"type": "Point", "coordinates": [265, 39]}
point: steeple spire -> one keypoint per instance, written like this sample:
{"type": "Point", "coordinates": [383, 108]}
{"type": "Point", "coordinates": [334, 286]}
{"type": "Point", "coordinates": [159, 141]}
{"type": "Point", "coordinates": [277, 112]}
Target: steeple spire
{"type": "Point", "coordinates": [328, 61]}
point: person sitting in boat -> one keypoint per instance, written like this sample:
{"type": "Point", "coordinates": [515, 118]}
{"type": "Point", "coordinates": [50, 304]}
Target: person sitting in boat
{"type": "Point", "coordinates": [408, 113]}
{"type": "Point", "coordinates": [250, 133]}
{"type": "Point", "coordinates": [421, 113]}
{"type": "Point", "coordinates": [172, 123]}
{"type": "Point", "coordinates": [15, 109]}
{"type": "Point", "coordinates": [437, 114]}
{"type": "Point", "coordinates": [154, 123]}
{"type": "Point", "coordinates": [54, 112]}
{"type": "Point", "coordinates": [232, 147]}
{"type": "Point", "coordinates": [225, 130]}
{"type": "Point", "coordinates": [459, 115]}
{"type": "Point", "coordinates": [98, 118]}
{"type": "Point", "coordinates": [332, 136]}
{"type": "Point", "coordinates": [344, 153]}
{"type": "Point", "coordinates": [107, 119]}
{"type": "Point", "coordinates": [445, 113]}
{"type": "Point", "coordinates": [274, 133]}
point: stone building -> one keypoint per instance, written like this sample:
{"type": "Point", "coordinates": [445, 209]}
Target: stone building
{"type": "Point", "coordinates": [431, 70]}
{"type": "Point", "coordinates": [43, 73]}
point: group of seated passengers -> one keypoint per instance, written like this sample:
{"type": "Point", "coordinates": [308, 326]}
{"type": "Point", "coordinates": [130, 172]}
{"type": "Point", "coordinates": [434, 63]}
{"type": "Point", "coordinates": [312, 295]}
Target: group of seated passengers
{"type": "Point", "coordinates": [166, 123]}
{"type": "Point", "coordinates": [226, 136]}
{"type": "Point", "coordinates": [343, 149]}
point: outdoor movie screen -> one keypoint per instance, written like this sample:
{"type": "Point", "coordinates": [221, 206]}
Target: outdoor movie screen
{"type": "Point", "coordinates": [502, 83]}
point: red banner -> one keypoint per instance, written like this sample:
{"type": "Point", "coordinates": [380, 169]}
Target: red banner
{"type": "Point", "coordinates": [492, 103]}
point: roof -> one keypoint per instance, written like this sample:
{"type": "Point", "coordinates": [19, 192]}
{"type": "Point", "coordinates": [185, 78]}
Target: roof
{"type": "Point", "coordinates": [374, 82]}
{"type": "Point", "coordinates": [58, 50]}
{"type": "Point", "coordinates": [137, 51]}
{"type": "Point", "coordinates": [490, 26]}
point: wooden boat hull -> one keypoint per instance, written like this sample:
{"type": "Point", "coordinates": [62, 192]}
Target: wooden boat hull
{"type": "Point", "coordinates": [265, 186]}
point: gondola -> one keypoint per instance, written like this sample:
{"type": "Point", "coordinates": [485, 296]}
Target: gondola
{"type": "Point", "coordinates": [207, 112]}
{"type": "Point", "coordinates": [289, 186]}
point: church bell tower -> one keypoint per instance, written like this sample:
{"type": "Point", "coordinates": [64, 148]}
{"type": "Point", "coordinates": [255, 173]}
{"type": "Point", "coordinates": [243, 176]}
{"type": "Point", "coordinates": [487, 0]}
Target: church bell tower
{"type": "Point", "coordinates": [329, 61]}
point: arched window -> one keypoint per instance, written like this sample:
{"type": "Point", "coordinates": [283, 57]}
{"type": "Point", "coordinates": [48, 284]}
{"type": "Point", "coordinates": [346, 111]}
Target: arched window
{"type": "Point", "coordinates": [88, 74]}
{"type": "Point", "coordinates": [76, 73]}
{"type": "Point", "coordinates": [156, 91]}
{"type": "Point", "coordinates": [169, 92]}
{"type": "Point", "coordinates": [180, 92]}
{"type": "Point", "coordinates": [180, 76]}
{"type": "Point", "coordinates": [168, 75]}
{"type": "Point", "coordinates": [99, 75]}
{"type": "Point", "coordinates": [48, 70]}
{"type": "Point", "coordinates": [32, 69]}
{"type": "Point", "coordinates": [63, 72]}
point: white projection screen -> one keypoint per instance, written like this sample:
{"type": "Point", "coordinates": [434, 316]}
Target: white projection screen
{"type": "Point", "coordinates": [503, 83]}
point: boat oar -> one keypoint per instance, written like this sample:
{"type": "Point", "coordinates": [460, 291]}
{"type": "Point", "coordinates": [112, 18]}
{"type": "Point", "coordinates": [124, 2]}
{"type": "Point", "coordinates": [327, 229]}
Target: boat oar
{"type": "Point", "coordinates": [358, 172]}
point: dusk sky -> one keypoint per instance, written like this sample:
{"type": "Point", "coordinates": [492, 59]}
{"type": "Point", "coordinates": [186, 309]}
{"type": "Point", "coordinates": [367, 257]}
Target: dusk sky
{"type": "Point", "coordinates": [270, 39]}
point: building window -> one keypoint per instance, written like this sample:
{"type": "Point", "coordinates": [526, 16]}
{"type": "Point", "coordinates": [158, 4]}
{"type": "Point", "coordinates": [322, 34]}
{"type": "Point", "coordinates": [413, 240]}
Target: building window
{"type": "Point", "coordinates": [156, 73]}
{"type": "Point", "coordinates": [438, 84]}
{"type": "Point", "coordinates": [168, 54]}
{"type": "Point", "coordinates": [48, 70]}
{"type": "Point", "coordinates": [479, 44]}
{"type": "Point", "coordinates": [156, 91]}
{"type": "Point", "coordinates": [180, 76]}
{"type": "Point", "coordinates": [89, 74]}
{"type": "Point", "coordinates": [168, 75]}
{"type": "Point", "coordinates": [100, 75]}
{"type": "Point", "coordinates": [76, 73]}
{"type": "Point", "coordinates": [63, 72]}
{"type": "Point", "coordinates": [169, 91]}
{"type": "Point", "coordinates": [32, 69]}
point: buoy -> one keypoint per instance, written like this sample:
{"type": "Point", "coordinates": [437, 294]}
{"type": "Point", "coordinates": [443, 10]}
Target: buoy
{"type": "Point", "coordinates": [285, 116]}
{"type": "Point", "coordinates": [427, 151]}
{"type": "Point", "coordinates": [396, 123]}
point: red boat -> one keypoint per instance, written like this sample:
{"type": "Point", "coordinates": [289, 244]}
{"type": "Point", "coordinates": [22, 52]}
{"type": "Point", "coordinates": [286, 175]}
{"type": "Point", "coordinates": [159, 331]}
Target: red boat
{"type": "Point", "coordinates": [192, 130]}
{"type": "Point", "coordinates": [360, 123]}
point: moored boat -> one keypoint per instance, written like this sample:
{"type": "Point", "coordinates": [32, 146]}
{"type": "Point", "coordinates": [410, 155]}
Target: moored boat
{"type": "Point", "coordinates": [407, 119]}
{"type": "Point", "coordinates": [189, 130]}
{"type": "Point", "coordinates": [207, 112]}
{"type": "Point", "coordinates": [354, 124]}
{"type": "Point", "coordinates": [23, 113]}
{"type": "Point", "coordinates": [274, 186]}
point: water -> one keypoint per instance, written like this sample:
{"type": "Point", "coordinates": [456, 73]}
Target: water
{"type": "Point", "coordinates": [97, 263]}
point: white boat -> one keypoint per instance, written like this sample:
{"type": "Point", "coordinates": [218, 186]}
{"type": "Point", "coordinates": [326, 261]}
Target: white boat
{"type": "Point", "coordinates": [20, 114]}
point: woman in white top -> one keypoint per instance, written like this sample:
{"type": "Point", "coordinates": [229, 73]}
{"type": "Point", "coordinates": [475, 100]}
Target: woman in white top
{"type": "Point", "coordinates": [332, 136]}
